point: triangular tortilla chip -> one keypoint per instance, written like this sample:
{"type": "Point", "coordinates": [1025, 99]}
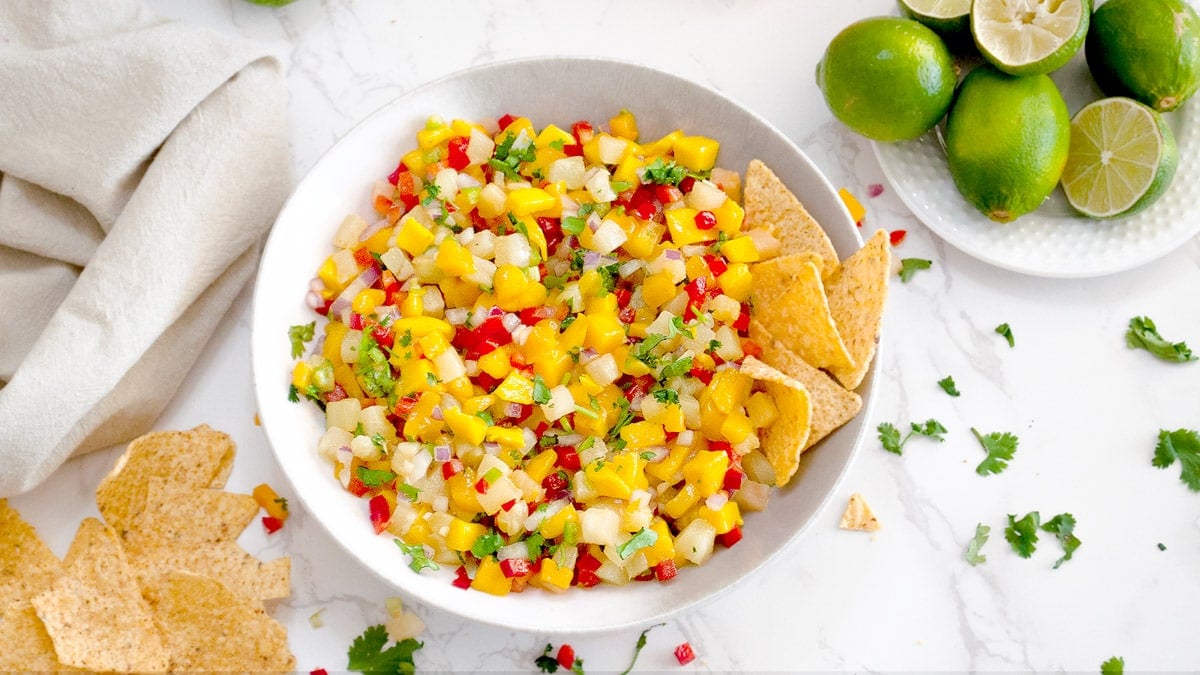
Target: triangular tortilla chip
{"type": "Point", "coordinates": [27, 645]}
{"type": "Point", "coordinates": [178, 515]}
{"type": "Point", "coordinates": [784, 440]}
{"type": "Point", "coordinates": [768, 202]}
{"type": "Point", "coordinates": [212, 628]}
{"type": "Point", "coordinates": [95, 614]}
{"type": "Point", "coordinates": [800, 318]}
{"type": "Point", "coordinates": [27, 565]}
{"type": "Point", "coordinates": [201, 457]}
{"type": "Point", "coordinates": [832, 404]}
{"type": "Point", "coordinates": [226, 562]}
{"type": "Point", "coordinates": [857, 293]}
{"type": "Point", "coordinates": [773, 277]}
{"type": "Point", "coordinates": [858, 515]}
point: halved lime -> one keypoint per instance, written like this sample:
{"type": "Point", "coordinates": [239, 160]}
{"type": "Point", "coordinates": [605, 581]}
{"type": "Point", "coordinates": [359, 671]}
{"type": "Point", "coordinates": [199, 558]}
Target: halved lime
{"type": "Point", "coordinates": [946, 17]}
{"type": "Point", "coordinates": [1029, 37]}
{"type": "Point", "coordinates": [1122, 158]}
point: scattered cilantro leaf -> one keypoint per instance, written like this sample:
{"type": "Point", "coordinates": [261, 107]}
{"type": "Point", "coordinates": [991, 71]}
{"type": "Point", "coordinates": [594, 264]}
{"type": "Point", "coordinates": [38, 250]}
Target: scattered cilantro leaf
{"type": "Point", "coordinates": [608, 275]}
{"type": "Point", "coordinates": [1003, 329]}
{"type": "Point", "coordinates": [999, 446]}
{"type": "Point", "coordinates": [637, 542]}
{"type": "Point", "coordinates": [678, 327]}
{"type": "Point", "coordinates": [541, 393]}
{"type": "Point", "coordinates": [1162, 546]}
{"type": "Point", "coordinates": [547, 663]}
{"type": "Point", "coordinates": [1062, 526]}
{"type": "Point", "coordinates": [666, 396]}
{"type": "Point", "coordinates": [373, 370]}
{"type": "Point", "coordinates": [663, 173]}
{"type": "Point", "coordinates": [293, 393]}
{"type": "Point", "coordinates": [486, 544]}
{"type": "Point", "coordinates": [409, 491]}
{"type": "Point", "coordinates": [1182, 445]}
{"type": "Point", "coordinates": [974, 557]}
{"type": "Point", "coordinates": [624, 417]}
{"type": "Point", "coordinates": [299, 336]}
{"type": "Point", "coordinates": [406, 339]}
{"type": "Point", "coordinates": [890, 437]}
{"type": "Point", "coordinates": [910, 266]}
{"type": "Point", "coordinates": [641, 643]}
{"type": "Point", "coordinates": [1113, 666]}
{"type": "Point", "coordinates": [1022, 534]}
{"type": "Point", "coordinates": [367, 655]}
{"type": "Point", "coordinates": [948, 386]}
{"type": "Point", "coordinates": [375, 477]}
{"type": "Point", "coordinates": [677, 368]}
{"type": "Point", "coordinates": [1143, 334]}
{"type": "Point", "coordinates": [418, 560]}
{"type": "Point", "coordinates": [557, 144]}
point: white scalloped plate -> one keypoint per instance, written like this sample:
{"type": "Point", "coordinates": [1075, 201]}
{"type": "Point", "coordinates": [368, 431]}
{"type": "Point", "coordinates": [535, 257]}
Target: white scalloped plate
{"type": "Point", "coordinates": [559, 90]}
{"type": "Point", "coordinates": [1053, 241]}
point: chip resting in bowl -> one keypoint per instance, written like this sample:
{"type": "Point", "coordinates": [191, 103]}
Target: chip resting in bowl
{"type": "Point", "coordinates": [562, 356]}
{"type": "Point", "coordinates": [159, 585]}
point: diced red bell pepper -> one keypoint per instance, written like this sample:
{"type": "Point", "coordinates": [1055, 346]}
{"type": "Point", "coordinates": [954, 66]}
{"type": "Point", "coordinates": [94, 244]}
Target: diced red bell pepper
{"type": "Point", "coordinates": [573, 150]}
{"type": "Point", "coordinates": [702, 374]}
{"type": "Point", "coordinates": [383, 335]}
{"type": "Point", "coordinates": [665, 570]}
{"type": "Point", "coordinates": [585, 570]}
{"type": "Point", "coordinates": [582, 131]}
{"type": "Point", "coordinates": [335, 394]}
{"type": "Point", "coordinates": [271, 524]}
{"type": "Point", "coordinates": [557, 486]}
{"type": "Point", "coordinates": [667, 194]}
{"type": "Point", "coordinates": [721, 446]}
{"type": "Point", "coordinates": [686, 185]}
{"type": "Point", "coordinates": [627, 315]}
{"type": "Point", "coordinates": [639, 387]}
{"type": "Point", "coordinates": [388, 282]}
{"type": "Point", "coordinates": [505, 121]}
{"type": "Point", "coordinates": [731, 537]}
{"type": "Point", "coordinates": [481, 486]}
{"type": "Point", "coordinates": [482, 339]}
{"type": "Point", "coordinates": [456, 155]}
{"type": "Point", "coordinates": [318, 671]}
{"type": "Point", "coordinates": [684, 654]}
{"type": "Point", "coordinates": [507, 506]}
{"type": "Point", "coordinates": [624, 295]}
{"type": "Point", "coordinates": [751, 348]}
{"type": "Point", "coordinates": [897, 236]}
{"type": "Point", "coordinates": [451, 468]}
{"type": "Point", "coordinates": [363, 257]}
{"type": "Point", "coordinates": [515, 567]}
{"type": "Point", "coordinates": [356, 487]}
{"type": "Point", "coordinates": [566, 656]}
{"type": "Point", "coordinates": [716, 265]}
{"type": "Point", "coordinates": [405, 404]}
{"type": "Point", "coordinates": [461, 579]}
{"type": "Point", "coordinates": [356, 321]}
{"type": "Point", "coordinates": [394, 177]}
{"type": "Point", "coordinates": [733, 479]}
{"type": "Point", "coordinates": [568, 458]}
{"type": "Point", "coordinates": [742, 324]}
{"type": "Point", "coordinates": [381, 513]}
{"type": "Point", "coordinates": [552, 230]}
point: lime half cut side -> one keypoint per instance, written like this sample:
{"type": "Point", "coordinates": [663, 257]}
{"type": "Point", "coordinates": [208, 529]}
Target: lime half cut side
{"type": "Point", "coordinates": [1029, 37]}
{"type": "Point", "coordinates": [943, 16]}
{"type": "Point", "coordinates": [1122, 158]}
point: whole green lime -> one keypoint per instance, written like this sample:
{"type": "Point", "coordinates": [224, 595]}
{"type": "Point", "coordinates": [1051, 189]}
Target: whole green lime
{"type": "Point", "coordinates": [1148, 50]}
{"type": "Point", "coordinates": [889, 79]}
{"type": "Point", "coordinates": [1007, 139]}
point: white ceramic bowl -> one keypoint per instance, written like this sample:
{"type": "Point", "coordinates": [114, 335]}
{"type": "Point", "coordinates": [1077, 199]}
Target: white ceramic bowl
{"type": "Point", "coordinates": [558, 91]}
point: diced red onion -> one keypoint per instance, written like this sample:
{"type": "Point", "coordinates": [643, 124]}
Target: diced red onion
{"type": "Point", "coordinates": [314, 300]}
{"type": "Point", "coordinates": [586, 355]}
{"type": "Point", "coordinates": [441, 453]}
{"type": "Point", "coordinates": [593, 221]}
{"type": "Point", "coordinates": [436, 413]}
{"type": "Point", "coordinates": [373, 228]}
{"type": "Point", "coordinates": [672, 254]}
{"type": "Point", "coordinates": [363, 281]}
{"type": "Point", "coordinates": [316, 285]}
{"type": "Point", "coordinates": [511, 410]}
{"type": "Point", "coordinates": [492, 448]}
{"type": "Point", "coordinates": [716, 501]}
{"type": "Point", "coordinates": [389, 312]}
{"type": "Point", "coordinates": [874, 190]}
{"type": "Point", "coordinates": [511, 322]}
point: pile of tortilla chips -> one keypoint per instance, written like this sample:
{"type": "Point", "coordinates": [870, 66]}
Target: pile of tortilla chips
{"type": "Point", "coordinates": [161, 584]}
{"type": "Point", "coordinates": [816, 317]}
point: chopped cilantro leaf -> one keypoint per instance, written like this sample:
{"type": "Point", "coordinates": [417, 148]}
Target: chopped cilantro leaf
{"type": "Point", "coordinates": [609, 274]}
{"type": "Point", "coordinates": [373, 370]}
{"type": "Point", "coordinates": [1182, 445]}
{"type": "Point", "coordinates": [637, 542]}
{"type": "Point", "coordinates": [282, 502]}
{"type": "Point", "coordinates": [541, 393]}
{"type": "Point", "coordinates": [418, 560]}
{"type": "Point", "coordinates": [1000, 447]}
{"type": "Point", "coordinates": [663, 173]}
{"type": "Point", "coordinates": [557, 144]}
{"type": "Point", "coordinates": [406, 339]}
{"type": "Point", "coordinates": [299, 335]}
{"type": "Point", "coordinates": [666, 396]}
{"type": "Point", "coordinates": [1062, 526]}
{"type": "Point", "coordinates": [367, 655]}
{"type": "Point", "coordinates": [677, 368]}
{"type": "Point", "coordinates": [486, 544]}
{"type": "Point", "coordinates": [641, 642]}
{"type": "Point", "coordinates": [293, 393]}
{"type": "Point", "coordinates": [1143, 334]}
{"type": "Point", "coordinates": [432, 192]}
{"type": "Point", "coordinates": [1022, 534]}
{"type": "Point", "coordinates": [678, 327]}
{"type": "Point", "coordinates": [573, 224]}
{"type": "Point", "coordinates": [890, 437]}
{"type": "Point", "coordinates": [1113, 666]}
{"type": "Point", "coordinates": [375, 477]}
{"type": "Point", "coordinates": [948, 386]}
{"type": "Point", "coordinates": [379, 441]}
{"type": "Point", "coordinates": [547, 663]}
{"type": "Point", "coordinates": [1003, 329]}
{"type": "Point", "coordinates": [408, 491]}
{"type": "Point", "coordinates": [624, 417]}
{"type": "Point", "coordinates": [910, 266]}
{"type": "Point", "coordinates": [974, 557]}
{"type": "Point", "coordinates": [1162, 546]}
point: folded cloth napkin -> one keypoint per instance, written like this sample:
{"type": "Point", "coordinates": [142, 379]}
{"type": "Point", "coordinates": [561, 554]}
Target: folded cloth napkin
{"type": "Point", "coordinates": [141, 162]}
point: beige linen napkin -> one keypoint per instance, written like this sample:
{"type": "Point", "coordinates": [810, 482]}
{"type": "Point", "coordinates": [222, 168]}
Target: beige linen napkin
{"type": "Point", "coordinates": [141, 161]}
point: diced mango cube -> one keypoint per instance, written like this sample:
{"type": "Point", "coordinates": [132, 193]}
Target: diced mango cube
{"type": "Point", "coordinates": [468, 428]}
{"type": "Point", "coordinates": [413, 237]}
{"type": "Point", "coordinates": [697, 153]}
{"type": "Point", "coordinates": [740, 249]}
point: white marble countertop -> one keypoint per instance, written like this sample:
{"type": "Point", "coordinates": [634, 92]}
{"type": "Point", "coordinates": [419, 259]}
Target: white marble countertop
{"type": "Point", "coordinates": [1086, 408]}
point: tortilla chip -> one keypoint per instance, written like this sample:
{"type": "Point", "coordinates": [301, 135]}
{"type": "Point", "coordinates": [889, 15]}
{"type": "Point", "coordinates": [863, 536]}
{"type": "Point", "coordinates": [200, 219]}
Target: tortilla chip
{"type": "Point", "coordinates": [773, 277]}
{"type": "Point", "coordinates": [784, 440]}
{"type": "Point", "coordinates": [800, 318]}
{"type": "Point", "coordinates": [857, 293]}
{"type": "Point", "coordinates": [27, 565]}
{"type": "Point", "coordinates": [95, 614]}
{"type": "Point", "coordinates": [858, 515]}
{"type": "Point", "coordinates": [768, 202]}
{"type": "Point", "coordinates": [27, 645]}
{"type": "Point", "coordinates": [213, 628]}
{"type": "Point", "coordinates": [178, 515]}
{"type": "Point", "coordinates": [200, 457]}
{"type": "Point", "coordinates": [224, 561]}
{"type": "Point", "coordinates": [832, 404]}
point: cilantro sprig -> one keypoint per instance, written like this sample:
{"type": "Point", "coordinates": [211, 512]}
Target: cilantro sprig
{"type": "Point", "coordinates": [418, 559]}
{"type": "Point", "coordinates": [1022, 534]}
{"type": "Point", "coordinates": [299, 336]}
{"type": "Point", "coordinates": [973, 556]}
{"type": "Point", "coordinates": [1062, 527]}
{"type": "Point", "coordinates": [1006, 332]}
{"type": "Point", "coordinates": [663, 173]}
{"type": "Point", "coordinates": [893, 442]}
{"type": "Point", "coordinates": [637, 648]}
{"type": "Point", "coordinates": [1143, 334]}
{"type": "Point", "coordinates": [1113, 666]}
{"type": "Point", "coordinates": [367, 653]}
{"type": "Point", "coordinates": [948, 386]}
{"type": "Point", "coordinates": [1000, 448]}
{"type": "Point", "coordinates": [1182, 445]}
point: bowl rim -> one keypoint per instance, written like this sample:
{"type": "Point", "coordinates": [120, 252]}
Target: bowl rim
{"type": "Point", "coordinates": [602, 624]}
